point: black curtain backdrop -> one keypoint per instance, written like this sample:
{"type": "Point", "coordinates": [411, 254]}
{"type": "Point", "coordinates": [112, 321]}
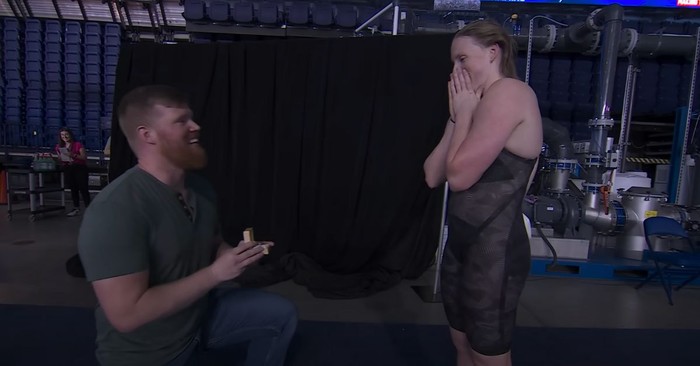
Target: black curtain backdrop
{"type": "Point", "coordinates": [316, 144]}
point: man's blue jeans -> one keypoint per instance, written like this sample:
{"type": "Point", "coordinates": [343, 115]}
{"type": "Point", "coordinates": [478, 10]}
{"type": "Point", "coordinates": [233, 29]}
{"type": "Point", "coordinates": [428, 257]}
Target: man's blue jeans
{"type": "Point", "coordinates": [267, 320]}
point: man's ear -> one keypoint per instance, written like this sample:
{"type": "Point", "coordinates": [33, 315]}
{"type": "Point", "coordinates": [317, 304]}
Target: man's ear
{"type": "Point", "coordinates": [146, 135]}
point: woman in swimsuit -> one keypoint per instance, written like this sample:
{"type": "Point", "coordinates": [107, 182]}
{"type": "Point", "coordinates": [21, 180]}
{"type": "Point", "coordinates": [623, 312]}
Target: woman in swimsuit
{"type": "Point", "coordinates": [487, 155]}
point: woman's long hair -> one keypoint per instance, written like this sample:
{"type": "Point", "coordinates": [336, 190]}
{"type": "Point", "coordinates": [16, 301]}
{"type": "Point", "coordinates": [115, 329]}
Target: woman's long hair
{"type": "Point", "coordinates": [62, 143]}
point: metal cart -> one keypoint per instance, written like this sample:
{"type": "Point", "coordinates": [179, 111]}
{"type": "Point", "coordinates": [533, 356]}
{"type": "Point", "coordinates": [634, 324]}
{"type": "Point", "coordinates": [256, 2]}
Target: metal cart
{"type": "Point", "coordinates": [35, 190]}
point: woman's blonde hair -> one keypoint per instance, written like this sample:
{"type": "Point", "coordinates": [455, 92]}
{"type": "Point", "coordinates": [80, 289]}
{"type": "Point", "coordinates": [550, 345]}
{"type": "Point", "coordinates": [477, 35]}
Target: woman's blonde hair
{"type": "Point", "coordinates": [487, 33]}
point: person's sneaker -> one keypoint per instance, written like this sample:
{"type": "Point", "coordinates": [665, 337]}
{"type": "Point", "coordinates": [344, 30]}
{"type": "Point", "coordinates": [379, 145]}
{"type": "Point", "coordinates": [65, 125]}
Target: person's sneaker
{"type": "Point", "coordinates": [73, 213]}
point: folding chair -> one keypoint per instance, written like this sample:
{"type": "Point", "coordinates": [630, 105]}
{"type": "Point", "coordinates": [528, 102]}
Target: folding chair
{"type": "Point", "coordinates": [684, 263]}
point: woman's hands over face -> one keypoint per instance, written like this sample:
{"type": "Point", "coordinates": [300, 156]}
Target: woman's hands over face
{"type": "Point", "coordinates": [462, 94]}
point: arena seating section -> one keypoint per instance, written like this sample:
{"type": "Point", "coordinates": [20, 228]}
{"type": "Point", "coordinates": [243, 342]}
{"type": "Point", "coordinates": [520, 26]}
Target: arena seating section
{"type": "Point", "coordinates": [57, 74]}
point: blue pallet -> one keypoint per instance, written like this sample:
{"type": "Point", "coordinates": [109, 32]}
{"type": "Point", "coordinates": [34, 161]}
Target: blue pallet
{"type": "Point", "coordinates": [603, 265]}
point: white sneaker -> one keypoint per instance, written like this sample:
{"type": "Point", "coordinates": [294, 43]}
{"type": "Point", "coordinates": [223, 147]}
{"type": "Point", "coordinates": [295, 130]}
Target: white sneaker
{"type": "Point", "coordinates": [73, 213]}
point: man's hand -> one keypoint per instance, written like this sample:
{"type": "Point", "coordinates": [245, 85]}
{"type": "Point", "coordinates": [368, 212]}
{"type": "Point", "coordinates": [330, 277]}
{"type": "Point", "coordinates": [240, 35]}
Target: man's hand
{"type": "Point", "coordinates": [232, 261]}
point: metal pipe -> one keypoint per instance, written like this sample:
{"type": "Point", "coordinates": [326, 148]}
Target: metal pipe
{"type": "Point", "coordinates": [688, 118]}
{"type": "Point", "coordinates": [58, 9]}
{"type": "Point", "coordinates": [111, 11]}
{"type": "Point", "coordinates": [395, 28]}
{"type": "Point", "coordinates": [608, 59]}
{"type": "Point", "coordinates": [29, 8]}
{"type": "Point", "coordinates": [165, 19]}
{"type": "Point", "coordinates": [373, 18]}
{"type": "Point", "coordinates": [12, 7]}
{"type": "Point", "coordinates": [640, 45]}
{"type": "Point", "coordinates": [443, 237]}
{"type": "Point", "coordinates": [82, 9]}
{"type": "Point", "coordinates": [628, 105]}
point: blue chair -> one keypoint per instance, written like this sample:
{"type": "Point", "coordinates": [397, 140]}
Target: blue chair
{"type": "Point", "coordinates": [683, 263]}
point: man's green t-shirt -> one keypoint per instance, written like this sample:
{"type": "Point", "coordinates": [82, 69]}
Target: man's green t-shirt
{"type": "Point", "coordinates": [138, 223]}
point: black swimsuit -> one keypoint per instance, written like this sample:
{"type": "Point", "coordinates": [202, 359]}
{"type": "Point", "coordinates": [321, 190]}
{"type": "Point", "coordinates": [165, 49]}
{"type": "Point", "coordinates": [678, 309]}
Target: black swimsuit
{"type": "Point", "coordinates": [487, 256]}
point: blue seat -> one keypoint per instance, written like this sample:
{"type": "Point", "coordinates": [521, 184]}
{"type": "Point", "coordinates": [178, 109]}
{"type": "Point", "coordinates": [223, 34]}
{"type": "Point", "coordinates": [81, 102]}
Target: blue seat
{"type": "Point", "coordinates": [92, 49]}
{"type": "Point", "coordinates": [53, 26]}
{"type": "Point", "coordinates": [298, 13]}
{"type": "Point", "coordinates": [73, 27]}
{"type": "Point", "coordinates": [684, 262]}
{"type": "Point", "coordinates": [54, 77]}
{"type": "Point", "coordinates": [219, 11]}
{"type": "Point", "coordinates": [112, 29]}
{"type": "Point", "coordinates": [268, 13]}
{"type": "Point", "coordinates": [94, 28]}
{"type": "Point", "coordinates": [194, 10]}
{"type": "Point", "coordinates": [72, 38]}
{"type": "Point", "coordinates": [242, 12]}
{"type": "Point", "coordinates": [346, 16]}
{"type": "Point", "coordinates": [322, 14]}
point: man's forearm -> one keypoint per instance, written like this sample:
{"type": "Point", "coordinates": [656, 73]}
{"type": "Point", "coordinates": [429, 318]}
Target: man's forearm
{"type": "Point", "coordinates": [164, 300]}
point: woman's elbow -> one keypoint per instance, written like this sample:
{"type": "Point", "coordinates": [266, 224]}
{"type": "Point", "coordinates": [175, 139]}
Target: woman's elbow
{"type": "Point", "coordinates": [458, 181]}
{"type": "Point", "coordinates": [433, 182]}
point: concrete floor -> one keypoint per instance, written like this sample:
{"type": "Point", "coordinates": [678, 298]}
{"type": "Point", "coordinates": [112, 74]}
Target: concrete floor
{"type": "Point", "coordinates": [32, 271]}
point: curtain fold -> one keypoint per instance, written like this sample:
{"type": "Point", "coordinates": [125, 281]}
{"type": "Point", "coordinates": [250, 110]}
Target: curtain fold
{"type": "Point", "coordinates": [316, 144]}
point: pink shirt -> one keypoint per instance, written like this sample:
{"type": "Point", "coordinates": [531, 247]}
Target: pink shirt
{"type": "Point", "coordinates": [75, 147]}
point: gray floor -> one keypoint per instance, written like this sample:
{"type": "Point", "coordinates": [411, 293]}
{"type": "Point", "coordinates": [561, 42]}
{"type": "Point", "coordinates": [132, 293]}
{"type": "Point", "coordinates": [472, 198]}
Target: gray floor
{"type": "Point", "coordinates": [33, 255]}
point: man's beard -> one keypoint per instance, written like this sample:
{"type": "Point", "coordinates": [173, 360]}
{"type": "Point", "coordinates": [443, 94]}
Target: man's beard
{"type": "Point", "coordinates": [185, 157]}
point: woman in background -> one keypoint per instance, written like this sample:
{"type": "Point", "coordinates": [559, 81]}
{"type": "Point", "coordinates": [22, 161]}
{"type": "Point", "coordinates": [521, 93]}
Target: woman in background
{"type": "Point", "coordinates": [72, 155]}
{"type": "Point", "coordinates": [487, 154]}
